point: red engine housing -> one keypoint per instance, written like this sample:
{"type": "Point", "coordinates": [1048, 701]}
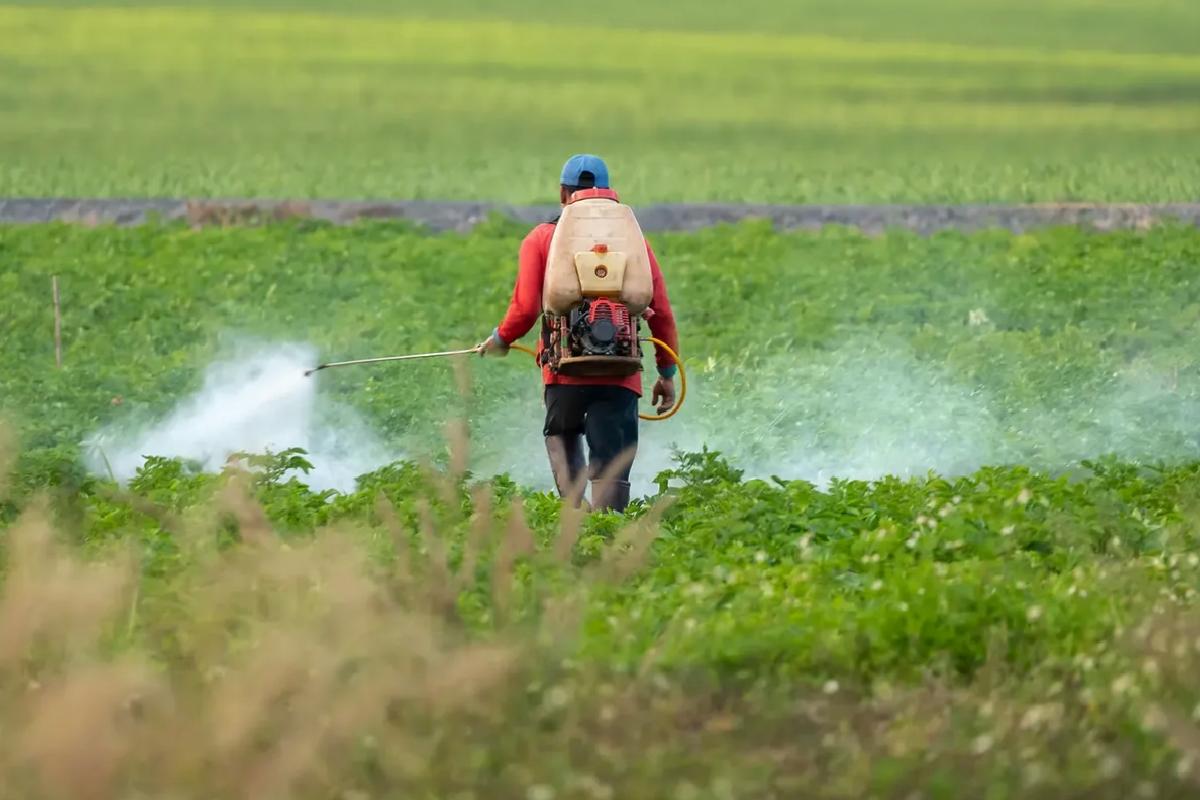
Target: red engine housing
{"type": "Point", "coordinates": [616, 313]}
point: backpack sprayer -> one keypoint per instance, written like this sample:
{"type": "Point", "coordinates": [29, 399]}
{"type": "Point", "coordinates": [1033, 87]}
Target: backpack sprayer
{"type": "Point", "coordinates": [522, 348]}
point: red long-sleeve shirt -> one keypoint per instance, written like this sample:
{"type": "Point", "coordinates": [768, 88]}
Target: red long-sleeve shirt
{"type": "Point", "coordinates": [526, 309]}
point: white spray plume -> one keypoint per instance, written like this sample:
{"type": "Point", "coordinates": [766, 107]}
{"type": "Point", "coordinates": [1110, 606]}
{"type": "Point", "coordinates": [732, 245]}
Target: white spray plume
{"type": "Point", "coordinates": [861, 410]}
{"type": "Point", "coordinates": [259, 400]}
{"type": "Point", "coordinates": [869, 409]}
{"type": "Point", "coordinates": [866, 409]}
{"type": "Point", "coordinates": [849, 413]}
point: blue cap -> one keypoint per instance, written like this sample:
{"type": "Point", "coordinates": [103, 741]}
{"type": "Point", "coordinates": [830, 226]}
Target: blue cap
{"type": "Point", "coordinates": [585, 163]}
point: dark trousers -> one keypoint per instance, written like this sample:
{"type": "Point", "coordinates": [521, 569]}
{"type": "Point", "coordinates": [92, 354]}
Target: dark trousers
{"type": "Point", "coordinates": [606, 418]}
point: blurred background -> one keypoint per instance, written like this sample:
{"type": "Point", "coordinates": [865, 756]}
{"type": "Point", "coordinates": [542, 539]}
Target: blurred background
{"type": "Point", "coordinates": [805, 101]}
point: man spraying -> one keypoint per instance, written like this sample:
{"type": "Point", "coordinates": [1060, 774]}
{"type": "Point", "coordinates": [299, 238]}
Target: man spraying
{"type": "Point", "coordinates": [592, 278]}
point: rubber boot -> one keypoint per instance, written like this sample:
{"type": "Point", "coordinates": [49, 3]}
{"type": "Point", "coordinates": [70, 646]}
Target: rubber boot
{"type": "Point", "coordinates": [568, 464]}
{"type": "Point", "coordinates": [610, 495]}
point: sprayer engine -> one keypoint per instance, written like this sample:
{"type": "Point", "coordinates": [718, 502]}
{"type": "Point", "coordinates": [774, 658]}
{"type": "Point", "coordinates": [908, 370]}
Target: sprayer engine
{"type": "Point", "coordinates": [601, 327]}
{"type": "Point", "coordinates": [597, 337]}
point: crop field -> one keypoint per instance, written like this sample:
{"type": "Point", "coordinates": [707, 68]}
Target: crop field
{"type": "Point", "coordinates": [811, 101]}
{"type": "Point", "coordinates": [806, 611]}
{"type": "Point", "coordinates": [927, 526]}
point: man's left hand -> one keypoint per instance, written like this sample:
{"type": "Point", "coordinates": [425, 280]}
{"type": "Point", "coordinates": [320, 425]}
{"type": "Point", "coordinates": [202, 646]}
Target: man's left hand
{"type": "Point", "coordinates": [492, 346]}
{"type": "Point", "coordinates": [663, 397]}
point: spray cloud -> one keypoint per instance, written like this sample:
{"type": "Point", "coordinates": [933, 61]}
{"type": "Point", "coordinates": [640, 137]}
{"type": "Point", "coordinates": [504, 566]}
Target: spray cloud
{"type": "Point", "coordinates": [861, 410]}
{"type": "Point", "coordinates": [255, 401]}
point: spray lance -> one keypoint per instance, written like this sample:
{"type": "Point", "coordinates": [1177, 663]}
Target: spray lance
{"type": "Point", "coordinates": [412, 357]}
{"type": "Point", "coordinates": [522, 348]}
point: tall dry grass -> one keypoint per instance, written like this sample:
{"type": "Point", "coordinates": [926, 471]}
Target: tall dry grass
{"type": "Point", "coordinates": [295, 668]}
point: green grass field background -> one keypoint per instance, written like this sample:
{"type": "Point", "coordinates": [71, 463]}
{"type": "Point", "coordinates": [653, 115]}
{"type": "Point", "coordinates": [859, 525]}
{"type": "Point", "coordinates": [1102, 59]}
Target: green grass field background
{"type": "Point", "coordinates": [786, 102]}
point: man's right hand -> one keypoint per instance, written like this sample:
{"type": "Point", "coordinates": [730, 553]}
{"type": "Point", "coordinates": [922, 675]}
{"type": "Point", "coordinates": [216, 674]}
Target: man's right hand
{"type": "Point", "coordinates": [493, 346]}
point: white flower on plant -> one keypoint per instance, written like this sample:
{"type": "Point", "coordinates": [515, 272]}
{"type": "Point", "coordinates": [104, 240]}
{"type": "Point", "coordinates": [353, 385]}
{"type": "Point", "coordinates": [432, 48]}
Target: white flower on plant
{"type": "Point", "coordinates": [1122, 684]}
{"type": "Point", "coordinates": [558, 697]}
{"type": "Point", "coordinates": [1034, 773]}
{"type": "Point", "coordinates": [1033, 613]}
{"type": "Point", "coordinates": [1153, 719]}
{"type": "Point", "coordinates": [1041, 715]}
{"type": "Point", "coordinates": [594, 788]}
{"type": "Point", "coordinates": [830, 687]}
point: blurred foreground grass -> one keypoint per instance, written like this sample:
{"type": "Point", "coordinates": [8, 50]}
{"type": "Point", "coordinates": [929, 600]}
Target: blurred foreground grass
{"type": "Point", "coordinates": [807, 104]}
{"type": "Point", "coordinates": [1004, 634]}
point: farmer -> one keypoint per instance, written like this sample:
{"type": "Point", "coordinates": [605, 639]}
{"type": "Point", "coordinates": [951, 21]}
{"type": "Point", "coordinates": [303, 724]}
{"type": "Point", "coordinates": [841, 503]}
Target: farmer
{"type": "Point", "coordinates": [600, 409]}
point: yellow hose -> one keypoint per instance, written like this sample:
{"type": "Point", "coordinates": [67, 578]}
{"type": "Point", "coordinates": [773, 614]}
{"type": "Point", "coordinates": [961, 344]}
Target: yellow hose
{"type": "Point", "coordinates": [674, 357]}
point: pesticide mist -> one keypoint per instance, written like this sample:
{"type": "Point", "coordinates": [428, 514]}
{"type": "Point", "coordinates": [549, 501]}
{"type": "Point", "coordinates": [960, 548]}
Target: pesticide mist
{"type": "Point", "coordinates": [871, 408]}
{"type": "Point", "coordinates": [256, 400]}
{"type": "Point", "coordinates": [861, 410]}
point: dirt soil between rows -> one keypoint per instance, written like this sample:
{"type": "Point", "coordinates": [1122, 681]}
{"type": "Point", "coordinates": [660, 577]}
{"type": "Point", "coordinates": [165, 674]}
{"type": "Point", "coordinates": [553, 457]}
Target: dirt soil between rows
{"type": "Point", "coordinates": [463, 216]}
